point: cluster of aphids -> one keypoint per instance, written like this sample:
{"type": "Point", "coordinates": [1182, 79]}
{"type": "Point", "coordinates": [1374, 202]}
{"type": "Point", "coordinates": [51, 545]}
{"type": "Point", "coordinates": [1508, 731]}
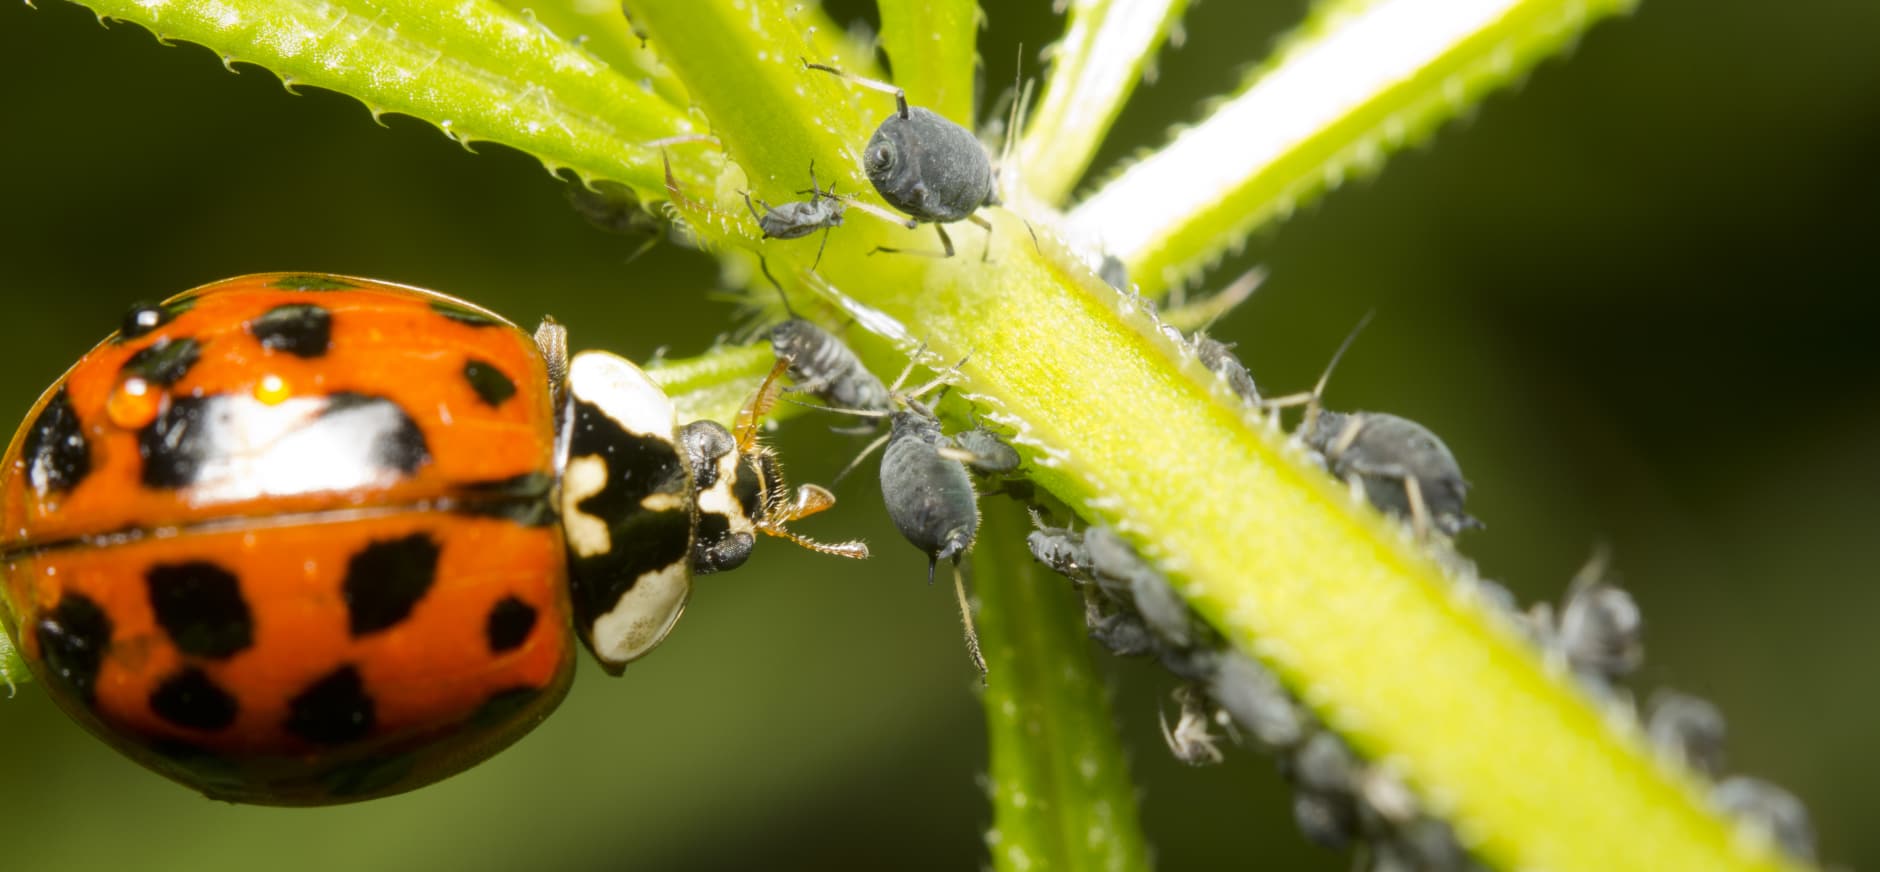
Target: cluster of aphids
{"type": "Point", "coordinates": [926, 473]}
{"type": "Point", "coordinates": [1404, 470]}
{"type": "Point", "coordinates": [937, 172]}
{"type": "Point", "coordinates": [931, 169]}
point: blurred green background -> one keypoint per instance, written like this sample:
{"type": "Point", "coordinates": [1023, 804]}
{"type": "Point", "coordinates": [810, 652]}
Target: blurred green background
{"type": "Point", "coordinates": [1637, 296]}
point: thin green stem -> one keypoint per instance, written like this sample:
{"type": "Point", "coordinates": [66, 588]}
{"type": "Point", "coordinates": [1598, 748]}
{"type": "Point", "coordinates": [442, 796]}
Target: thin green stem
{"type": "Point", "coordinates": [930, 44]}
{"type": "Point", "coordinates": [1107, 47]}
{"type": "Point", "coordinates": [1061, 793]}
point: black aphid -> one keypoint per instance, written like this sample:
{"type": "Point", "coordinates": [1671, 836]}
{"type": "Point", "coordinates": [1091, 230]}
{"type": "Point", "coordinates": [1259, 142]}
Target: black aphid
{"type": "Point", "coordinates": [925, 165]}
{"type": "Point", "coordinates": [1404, 468]}
{"type": "Point", "coordinates": [826, 368]}
{"type": "Point", "coordinates": [797, 219]}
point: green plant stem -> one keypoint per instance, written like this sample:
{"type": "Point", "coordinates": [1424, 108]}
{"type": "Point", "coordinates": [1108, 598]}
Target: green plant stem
{"type": "Point", "coordinates": [1107, 47]}
{"type": "Point", "coordinates": [930, 43]}
{"type": "Point", "coordinates": [1061, 793]}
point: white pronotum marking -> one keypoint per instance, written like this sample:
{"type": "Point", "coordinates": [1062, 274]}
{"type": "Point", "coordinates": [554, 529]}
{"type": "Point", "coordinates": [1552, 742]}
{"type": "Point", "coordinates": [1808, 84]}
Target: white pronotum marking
{"type": "Point", "coordinates": [622, 392]}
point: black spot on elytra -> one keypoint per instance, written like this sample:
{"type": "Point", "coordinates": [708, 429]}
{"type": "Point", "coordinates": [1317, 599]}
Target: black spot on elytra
{"type": "Point", "coordinates": [387, 579]}
{"type": "Point", "coordinates": [200, 606]}
{"type": "Point", "coordinates": [489, 382]}
{"type": "Point", "coordinates": [300, 329]}
{"type": "Point", "coordinates": [176, 443]}
{"type": "Point", "coordinates": [312, 282]}
{"type": "Point", "coordinates": [56, 454]}
{"type": "Point", "coordinates": [503, 705]}
{"type": "Point", "coordinates": [463, 314]}
{"type": "Point", "coordinates": [165, 362]}
{"type": "Point", "coordinates": [145, 317]}
{"type": "Point", "coordinates": [191, 699]}
{"type": "Point", "coordinates": [332, 711]}
{"type": "Point", "coordinates": [73, 639]}
{"type": "Point", "coordinates": [398, 443]}
{"type": "Point", "coordinates": [521, 499]}
{"type": "Point", "coordinates": [643, 541]}
{"type": "Point", "coordinates": [510, 622]}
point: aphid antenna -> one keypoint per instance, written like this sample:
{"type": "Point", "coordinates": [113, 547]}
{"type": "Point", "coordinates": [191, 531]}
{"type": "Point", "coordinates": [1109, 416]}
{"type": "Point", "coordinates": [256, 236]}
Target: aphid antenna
{"type": "Point", "coordinates": [1311, 400]}
{"type": "Point", "coordinates": [872, 209]}
{"type": "Point", "coordinates": [680, 139]}
{"type": "Point", "coordinates": [900, 95]}
{"type": "Point", "coordinates": [1596, 571]}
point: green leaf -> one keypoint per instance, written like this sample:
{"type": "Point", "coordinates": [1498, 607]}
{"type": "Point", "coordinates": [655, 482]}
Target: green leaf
{"type": "Point", "coordinates": [1361, 80]}
{"type": "Point", "coordinates": [715, 385]}
{"type": "Point", "coordinates": [1061, 793]}
{"type": "Point", "coordinates": [1107, 47]}
{"type": "Point", "coordinates": [931, 43]}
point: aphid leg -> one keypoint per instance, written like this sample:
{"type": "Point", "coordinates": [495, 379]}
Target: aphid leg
{"type": "Point", "coordinates": [749, 205]}
{"type": "Point", "coordinates": [900, 96]}
{"type": "Point", "coordinates": [815, 191]}
{"type": "Point", "coordinates": [946, 242]}
{"type": "Point", "coordinates": [966, 619]}
{"type": "Point", "coordinates": [819, 248]}
{"type": "Point", "coordinates": [976, 218]}
{"type": "Point", "coordinates": [1419, 510]}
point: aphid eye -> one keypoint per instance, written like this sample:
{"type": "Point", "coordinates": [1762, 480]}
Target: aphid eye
{"type": "Point", "coordinates": [881, 157]}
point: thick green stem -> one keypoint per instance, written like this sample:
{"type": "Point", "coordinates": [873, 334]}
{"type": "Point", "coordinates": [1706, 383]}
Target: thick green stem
{"type": "Point", "coordinates": [1361, 80]}
{"type": "Point", "coordinates": [1061, 793]}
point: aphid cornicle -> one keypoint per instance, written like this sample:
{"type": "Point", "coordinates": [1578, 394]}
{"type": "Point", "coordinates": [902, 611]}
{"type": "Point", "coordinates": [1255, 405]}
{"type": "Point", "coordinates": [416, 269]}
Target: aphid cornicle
{"type": "Point", "coordinates": [925, 165]}
{"type": "Point", "coordinates": [795, 220]}
{"type": "Point", "coordinates": [300, 539]}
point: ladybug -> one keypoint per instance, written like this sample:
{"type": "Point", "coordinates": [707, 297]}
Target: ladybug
{"type": "Point", "coordinates": [300, 539]}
